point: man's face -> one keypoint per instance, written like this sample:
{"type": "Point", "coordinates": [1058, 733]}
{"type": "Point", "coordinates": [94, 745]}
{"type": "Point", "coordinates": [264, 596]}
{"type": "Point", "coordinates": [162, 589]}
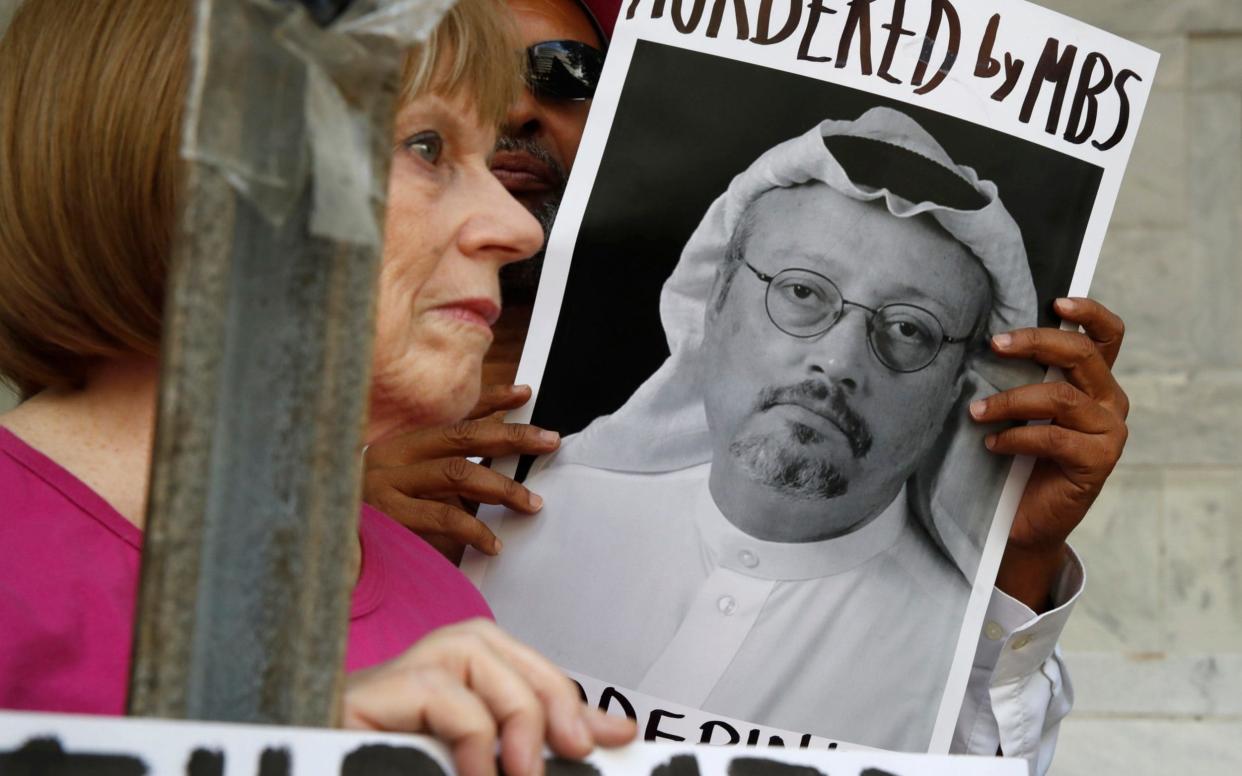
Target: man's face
{"type": "Point", "coordinates": [540, 137]}
{"type": "Point", "coordinates": [821, 417]}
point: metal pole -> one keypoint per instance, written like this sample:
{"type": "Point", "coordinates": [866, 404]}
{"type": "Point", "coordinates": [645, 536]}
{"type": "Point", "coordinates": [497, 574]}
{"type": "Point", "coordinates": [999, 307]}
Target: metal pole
{"type": "Point", "coordinates": [251, 541]}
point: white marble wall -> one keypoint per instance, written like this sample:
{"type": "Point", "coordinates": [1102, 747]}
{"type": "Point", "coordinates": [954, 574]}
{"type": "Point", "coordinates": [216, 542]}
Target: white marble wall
{"type": "Point", "coordinates": [1156, 644]}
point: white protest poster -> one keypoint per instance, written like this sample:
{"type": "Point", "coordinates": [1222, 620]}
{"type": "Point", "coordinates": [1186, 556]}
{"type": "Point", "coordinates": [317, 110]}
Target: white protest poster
{"type": "Point", "coordinates": [790, 232]}
{"type": "Point", "coordinates": [71, 745]}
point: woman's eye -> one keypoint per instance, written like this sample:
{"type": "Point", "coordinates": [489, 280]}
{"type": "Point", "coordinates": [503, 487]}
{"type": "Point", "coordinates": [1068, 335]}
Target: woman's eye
{"type": "Point", "coordinates": [426, 145]}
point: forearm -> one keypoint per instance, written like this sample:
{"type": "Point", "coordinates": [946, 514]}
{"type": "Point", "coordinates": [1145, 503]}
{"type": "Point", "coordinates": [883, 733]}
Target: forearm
{"type": "Point", "coordinates": [1030, 576]}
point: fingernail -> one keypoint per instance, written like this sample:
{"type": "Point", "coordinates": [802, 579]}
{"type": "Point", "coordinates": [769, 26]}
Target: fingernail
{"type": "Point", "coordinates": [1002, 341]}
{"type": "Point", "coordinates": [518, 388]}
{"type": "Point", "coordinates": [549, 437]}
{"type": "Point", "coordinates": [536, 501]}
{"type": "Point", "coordinates": [989, 441]}
{"type": "Point", "coordinates": [1066, 304]}
{"type": "Point", "coordinates": [977, 407]}
{"type": "Point", "coordinates": [497, 546]}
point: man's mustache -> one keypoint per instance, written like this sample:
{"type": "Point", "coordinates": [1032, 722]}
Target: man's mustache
{"type": "Point", "coordinates": [827, 401]}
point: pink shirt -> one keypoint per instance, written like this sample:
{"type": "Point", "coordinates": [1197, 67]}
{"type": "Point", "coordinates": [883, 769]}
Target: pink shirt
{"type": "Point", "coordinates": [69, 580]}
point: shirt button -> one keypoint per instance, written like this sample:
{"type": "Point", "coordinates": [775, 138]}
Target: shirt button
{"type": "Point", "coordinates": [748, 559]}
{"type": "Point", "coordinates": [1022, 642]}
{"type": "Point", "coordinates": [727, 605]}
{"type": "Point", "coordinates": [993, 631]}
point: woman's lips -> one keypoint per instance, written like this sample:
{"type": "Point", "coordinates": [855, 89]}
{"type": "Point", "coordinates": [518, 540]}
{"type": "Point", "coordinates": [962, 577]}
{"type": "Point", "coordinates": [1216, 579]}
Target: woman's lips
{"type": "Point", "coordinates": [521, 173]}
{"type": "Point", "coordinates": [481, 312]}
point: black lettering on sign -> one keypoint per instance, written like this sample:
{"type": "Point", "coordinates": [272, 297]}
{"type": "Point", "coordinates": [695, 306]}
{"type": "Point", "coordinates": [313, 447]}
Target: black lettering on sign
{"type": "Point", "coordinates": [205, 762]}
{"type": "Point", "coordinates": [657, 10]}
{"type": "Point", "coordinates": [275, 762]}
{"type": "Point", "coordinates": [653, 726]}
{"type": "Point", "coordinates": [581, 692]}
{"type": "Point", "coordinates": [1087, 95]}
{"type": "Point", "coordinates": [609, 695]}
{"type": "Point", "coordinates": [1123, 117]}
{"type": "Point", "coordinates": [708, 729]}
{"type": "Point", "coordinates": [942, 11]}
{"type": "Point", "coordinates": [739, 19]}
{"type": "Point", "coordinates": [557, 766]}
{"type": "Point", "coordinates": [986, 66]}
{"type": "Point", "coordinates": [816, 7]}
{"type": "Point", "coordinates": [876, 772]}
{"type": "Point", "coordinates": [46, 757]}
{"type": "Point", "coordinates": [764, 23]}
{"type": "Point", "coordinates": [385, 760]}
{"type": "Point", "coordinates": [895, 33]}
{"type": "Point", "coordinates": [858, 21]}
{"type": "Point", "coordinates": [1056, 66]}
{"type": "Point", "coordinates": [761, 766]}
{"type": "Point", "coordinates": [680, 765]}
{"type": "Point", "coordinates": [686, 26]}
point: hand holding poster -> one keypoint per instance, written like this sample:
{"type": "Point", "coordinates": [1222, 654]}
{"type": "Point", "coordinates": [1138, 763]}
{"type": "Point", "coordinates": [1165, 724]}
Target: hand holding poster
{"type": "Point", "coordinates": [766, 306]}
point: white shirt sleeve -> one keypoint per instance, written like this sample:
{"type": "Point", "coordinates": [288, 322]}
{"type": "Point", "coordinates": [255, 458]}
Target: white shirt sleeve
{"type": "Point", "coordinates": [1019, 689]}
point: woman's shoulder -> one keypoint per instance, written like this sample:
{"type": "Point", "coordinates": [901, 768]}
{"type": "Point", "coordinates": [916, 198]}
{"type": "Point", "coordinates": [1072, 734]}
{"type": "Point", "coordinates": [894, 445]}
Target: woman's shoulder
{"type": "Point", "coordinates": [68, 577]}
{"type": "Point", "coordinates": [405, 590]}
{"type": "Point", "coordinates": [43, 498]}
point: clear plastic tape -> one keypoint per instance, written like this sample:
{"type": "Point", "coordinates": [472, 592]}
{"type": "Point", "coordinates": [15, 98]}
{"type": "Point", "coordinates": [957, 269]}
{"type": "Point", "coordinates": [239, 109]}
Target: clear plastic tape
{"type": "Point", "coordinates": [276, 100]}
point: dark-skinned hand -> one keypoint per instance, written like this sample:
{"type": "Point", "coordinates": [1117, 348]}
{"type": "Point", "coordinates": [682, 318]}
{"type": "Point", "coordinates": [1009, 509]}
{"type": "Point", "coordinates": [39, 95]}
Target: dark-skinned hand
{"type": "Point", "coordinates": [1075, 451]}
{"type": "Point", "coordinates": [423, 479]}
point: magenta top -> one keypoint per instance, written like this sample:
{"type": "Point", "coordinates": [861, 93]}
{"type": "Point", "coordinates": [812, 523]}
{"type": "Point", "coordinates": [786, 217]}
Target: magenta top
{"type": "Point", "coordinates": [69, 582]}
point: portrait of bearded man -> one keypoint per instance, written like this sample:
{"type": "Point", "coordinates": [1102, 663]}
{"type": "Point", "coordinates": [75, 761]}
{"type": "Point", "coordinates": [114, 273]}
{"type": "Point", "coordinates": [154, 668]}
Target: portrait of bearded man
{"type": "Point", "coordinates": [773, 527]}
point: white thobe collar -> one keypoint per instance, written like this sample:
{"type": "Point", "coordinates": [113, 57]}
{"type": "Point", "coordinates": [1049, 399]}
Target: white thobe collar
{"type": "Point", "coordinates": [736, 550]}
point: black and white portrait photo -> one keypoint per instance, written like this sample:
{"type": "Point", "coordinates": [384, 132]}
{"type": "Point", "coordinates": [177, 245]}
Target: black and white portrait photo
{"type": "Point", "coordinates": [770, 503]}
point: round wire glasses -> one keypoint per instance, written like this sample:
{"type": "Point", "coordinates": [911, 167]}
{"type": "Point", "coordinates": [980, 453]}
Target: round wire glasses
{"type": "Point", "coordinates": [805, 304]}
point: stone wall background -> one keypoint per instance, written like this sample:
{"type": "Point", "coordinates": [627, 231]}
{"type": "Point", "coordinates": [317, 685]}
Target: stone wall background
{"type": "Point", "coordinates": [1155, 645]}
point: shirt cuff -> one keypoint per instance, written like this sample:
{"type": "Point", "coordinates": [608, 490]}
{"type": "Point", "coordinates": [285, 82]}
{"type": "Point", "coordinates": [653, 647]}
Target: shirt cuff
{"type": "Point", "coordinates": [1015, 640]}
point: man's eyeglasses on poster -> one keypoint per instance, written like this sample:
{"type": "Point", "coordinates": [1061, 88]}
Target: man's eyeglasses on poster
{"type": "Point", "coordinates": [564, 69]}
{"type": "Point", "coordinates": [805, 304]}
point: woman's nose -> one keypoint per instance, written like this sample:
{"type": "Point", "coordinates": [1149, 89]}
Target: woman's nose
{"type": "Point", "coordinates": [500, 227]}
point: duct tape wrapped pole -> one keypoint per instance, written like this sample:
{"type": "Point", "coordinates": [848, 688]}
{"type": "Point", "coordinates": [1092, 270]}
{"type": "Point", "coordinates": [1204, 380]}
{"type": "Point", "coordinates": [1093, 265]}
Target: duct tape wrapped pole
{"type": "Point", "coordinates": [250, 550]}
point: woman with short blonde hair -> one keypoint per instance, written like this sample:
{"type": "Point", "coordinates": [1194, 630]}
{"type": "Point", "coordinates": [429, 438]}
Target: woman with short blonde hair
{"type": "Point", "coordinates": [91, 103]}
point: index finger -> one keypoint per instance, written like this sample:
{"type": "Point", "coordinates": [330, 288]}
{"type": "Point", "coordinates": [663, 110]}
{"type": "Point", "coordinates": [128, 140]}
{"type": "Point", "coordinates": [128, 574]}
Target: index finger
{"type": "Point", "coordinates": [468, 438]}
{"type": "Point", "coordinates": [499, 398]}
{"type": "Point", "coordinates": [1101, 324]}
{"type": "Point", "coordinates": [1076, 354]}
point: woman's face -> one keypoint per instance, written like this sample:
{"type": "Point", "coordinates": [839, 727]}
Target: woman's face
{"type": "Point", "coordinates": [450, 227]}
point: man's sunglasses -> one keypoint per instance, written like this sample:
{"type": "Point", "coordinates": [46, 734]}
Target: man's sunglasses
{"type": "Point", "coordinates": [564, 69]}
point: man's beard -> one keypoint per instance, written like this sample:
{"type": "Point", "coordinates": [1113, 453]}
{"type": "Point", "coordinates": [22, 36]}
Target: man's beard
{"type": "Point", "coordinates": [520, 280]}
{"type": "Point", "coordinates": [787, 464]}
